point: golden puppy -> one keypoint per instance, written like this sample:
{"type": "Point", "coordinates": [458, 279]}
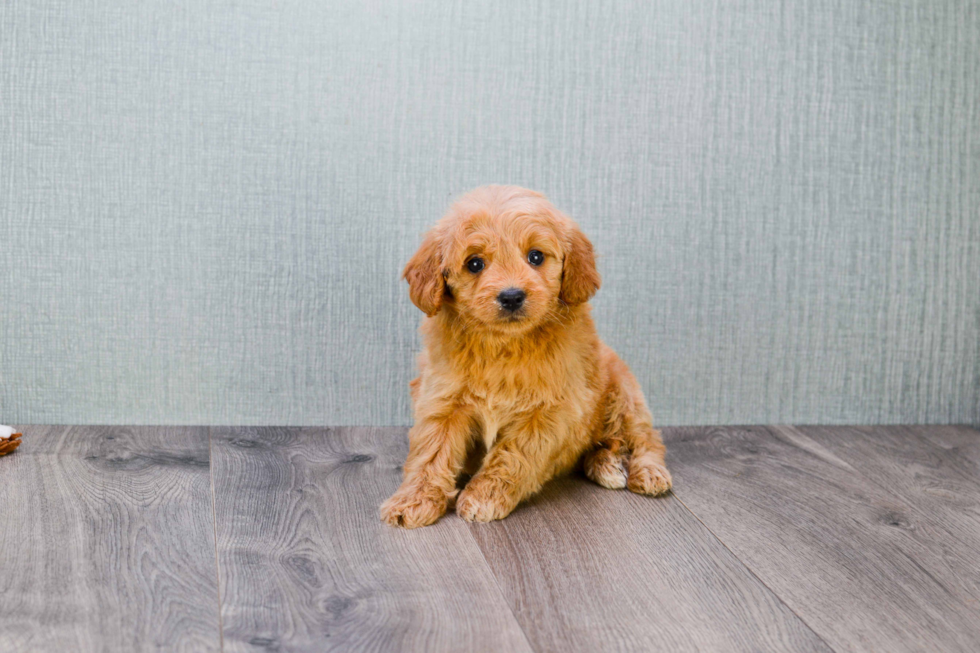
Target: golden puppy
{"type": "Point", "coordinates": [513, 372]}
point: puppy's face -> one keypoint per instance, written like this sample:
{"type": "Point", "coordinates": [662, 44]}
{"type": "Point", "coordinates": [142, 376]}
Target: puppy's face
{"type": "Point", "coordinates": [505, 272]}
{"type": "Point", "coordinates": [505, 259]}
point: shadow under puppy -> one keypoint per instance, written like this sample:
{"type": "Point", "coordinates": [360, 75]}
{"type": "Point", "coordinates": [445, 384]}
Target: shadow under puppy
{"type": "Point", "coordinates": [513, 380]}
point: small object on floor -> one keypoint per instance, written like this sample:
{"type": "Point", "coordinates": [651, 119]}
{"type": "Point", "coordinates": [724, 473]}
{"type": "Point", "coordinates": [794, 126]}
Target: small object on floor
{"type": "Point", "coordinates": [9, 440]}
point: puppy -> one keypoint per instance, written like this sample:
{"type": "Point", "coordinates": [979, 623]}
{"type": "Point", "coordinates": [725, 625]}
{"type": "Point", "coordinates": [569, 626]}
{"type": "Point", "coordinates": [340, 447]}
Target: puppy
{"type": "Point", "coordinates": [513, 378]}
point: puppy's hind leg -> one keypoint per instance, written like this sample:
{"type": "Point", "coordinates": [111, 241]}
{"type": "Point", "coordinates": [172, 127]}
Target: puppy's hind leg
{"type": "Point", "coordinates": [628, 441]}
{"type": "Point", "coordinates": [606, 464]}
{"type": "Point", "coordinates": [647, 470]}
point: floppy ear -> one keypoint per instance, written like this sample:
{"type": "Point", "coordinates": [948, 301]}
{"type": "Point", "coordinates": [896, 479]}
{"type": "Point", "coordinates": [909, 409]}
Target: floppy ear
{"type": "Point", "coordinates": [580, 279]}
{"type": "Point", "coordinates": [426, 285]}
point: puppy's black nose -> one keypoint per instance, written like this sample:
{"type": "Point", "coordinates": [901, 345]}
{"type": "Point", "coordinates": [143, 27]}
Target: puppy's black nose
{"type": "Point", "coordinates": [511, 299]}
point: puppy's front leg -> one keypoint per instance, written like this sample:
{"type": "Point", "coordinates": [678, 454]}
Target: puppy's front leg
{"type": "Point", "coordinates": [515, 468]}
{"type": "Point", "coordinates": [436, 452]}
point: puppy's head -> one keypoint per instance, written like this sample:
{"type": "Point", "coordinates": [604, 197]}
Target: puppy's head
{"type": "Point", "coordinates": [503, 258]}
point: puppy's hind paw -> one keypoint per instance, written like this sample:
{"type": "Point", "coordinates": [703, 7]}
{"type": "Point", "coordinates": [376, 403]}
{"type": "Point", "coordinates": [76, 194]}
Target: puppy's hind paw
{"type": "Point", "coordinates": [648, 477]}
{"type": "Point", "coordinates": [606, 468]}
{"type": "Point", "coordinates": [412, 510]}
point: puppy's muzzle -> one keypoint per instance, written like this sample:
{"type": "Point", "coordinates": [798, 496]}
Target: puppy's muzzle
{"type": "Point", "coordinates": [511, 299]}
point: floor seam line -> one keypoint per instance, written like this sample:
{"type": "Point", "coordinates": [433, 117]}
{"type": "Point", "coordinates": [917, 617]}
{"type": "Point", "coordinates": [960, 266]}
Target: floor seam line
{"type": "Point", "coordinates": [214, 526]}
{"type": "Point", "coordinates": [496, 583]}
{"type": "Point", "coordinates": [752, 572]}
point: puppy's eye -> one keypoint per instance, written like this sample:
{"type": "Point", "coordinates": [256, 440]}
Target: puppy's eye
{"type": "Point", "coordinates": [475, 264]}
{"type": "Point", "coordinates": [535, 257]}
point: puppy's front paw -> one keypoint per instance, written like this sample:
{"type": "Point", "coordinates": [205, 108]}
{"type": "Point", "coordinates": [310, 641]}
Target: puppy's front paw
{"type": "Point", "coordinates": [648, 477]}
{"type": "Point", "coordinates": [412, 510]}
{"type": "Point", "coordinates": [482, 503]}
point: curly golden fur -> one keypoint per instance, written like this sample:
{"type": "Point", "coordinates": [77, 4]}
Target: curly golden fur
{"type": "Point", "coordinates": [514, 396]}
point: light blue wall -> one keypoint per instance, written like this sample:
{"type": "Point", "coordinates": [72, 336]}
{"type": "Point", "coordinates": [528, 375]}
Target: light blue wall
{"type": "Point", "coordinates": [205, 206]}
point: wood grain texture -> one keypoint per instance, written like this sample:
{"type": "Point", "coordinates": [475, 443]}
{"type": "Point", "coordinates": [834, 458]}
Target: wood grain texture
{"type": "Point", "coordinates": [307, 565]}
{"type": "Point", "coordinates": [589, 569]}
{"type": "Point", "coordinates": [935, 472]}
{"type": "Point", "coordinates": [107, 541]}
{"type": "Point", "coordinates": [871, 541]}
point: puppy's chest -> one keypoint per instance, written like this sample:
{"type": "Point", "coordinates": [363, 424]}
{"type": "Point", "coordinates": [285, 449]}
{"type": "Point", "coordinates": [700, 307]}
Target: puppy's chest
{"type": "Point", "coordinates": [502, 394]}
{"type": "Point", "coordinates": [503, 388]}
{"type": "Point", "coordinates": [495, 413]}
{"type": "Point", "coordinates": [499, 386]}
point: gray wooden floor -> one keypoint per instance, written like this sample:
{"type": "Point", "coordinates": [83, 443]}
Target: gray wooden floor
{"type": "Point", "coordinates": [250, 539]}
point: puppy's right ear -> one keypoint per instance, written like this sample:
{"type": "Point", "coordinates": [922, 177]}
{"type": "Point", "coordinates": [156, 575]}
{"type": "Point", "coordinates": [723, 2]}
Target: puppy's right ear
{"type": "Point", "coordinates": [426, 285]}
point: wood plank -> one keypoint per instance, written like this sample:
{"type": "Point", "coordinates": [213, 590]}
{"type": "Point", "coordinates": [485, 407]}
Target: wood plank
{"type": "Point", "coordinates": [839, 540]}
{"type": "Point", "coordinates": [306, 564]}
{"type": "Point", "coordinates": [935, 472]}
{"type": "Point", "coordinates": [107, 541]}
{"type": "Point", "coordinates": [590, 569]}
{"type": "Point", "coordinates": [936, 469]}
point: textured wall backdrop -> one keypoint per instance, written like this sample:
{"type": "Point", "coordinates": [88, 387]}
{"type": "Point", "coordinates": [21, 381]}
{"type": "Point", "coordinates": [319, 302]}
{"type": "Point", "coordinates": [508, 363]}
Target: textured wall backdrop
{"type": "Point", "coordinates": [205, 206]}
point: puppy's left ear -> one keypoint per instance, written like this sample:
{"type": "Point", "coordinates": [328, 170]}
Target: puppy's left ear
{"type": "Point", "coordinates": [426, 285]}
{"type": "Point", "coordinates": [580, 278]}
